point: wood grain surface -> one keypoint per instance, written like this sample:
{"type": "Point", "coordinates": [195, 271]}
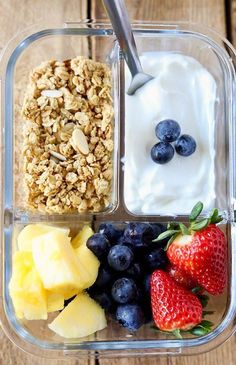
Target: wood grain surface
{"type": "Point", "coordinates": [16, 15]}
{"type": "Point", "coordinates": [233, 21]}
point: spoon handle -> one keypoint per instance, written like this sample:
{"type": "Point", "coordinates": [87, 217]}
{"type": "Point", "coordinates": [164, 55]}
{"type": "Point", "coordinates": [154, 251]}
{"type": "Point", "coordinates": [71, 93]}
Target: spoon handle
{"type": "Point", "coordinates": [120, 21]}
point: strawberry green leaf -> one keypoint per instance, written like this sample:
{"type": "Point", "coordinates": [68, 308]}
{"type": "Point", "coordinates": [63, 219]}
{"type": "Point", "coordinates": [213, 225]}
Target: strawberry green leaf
{"type": "Point", "coordinates": [165, 234]}
{"type": "Point", "coordinates": [200, 225]}
{"type": "Point", "coordinates": [183, 228]}
{"type": "Point", "coordinates": [173, 225]}
{"type": "Point", "coordinates": [196, 211]}
{"type": "Point", "coordinates": [177, 334]}
{"type": "Point", "coordinates": [206, 313]}
{"type": "Point", "coordinates": [215, 217]}
{"type": "Point", "coordinates": [196, 290]}
{"type": "Point", "coordinates": [198, 331]}
{"type": "Point", "coordinates": [202, 328]}
{"type": "Point", "coordinates": [203, 299]}
{"type": "Point", "coordinates": [206, 324]}
{"type": "Point", "coordinates": [171, 240]}
{"type": "Point", "coordinates": [218, 220]}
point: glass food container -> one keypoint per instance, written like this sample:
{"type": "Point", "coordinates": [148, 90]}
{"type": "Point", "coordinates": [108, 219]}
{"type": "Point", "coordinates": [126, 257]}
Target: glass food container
{"type": "Point", "coordinates": [97, 41]}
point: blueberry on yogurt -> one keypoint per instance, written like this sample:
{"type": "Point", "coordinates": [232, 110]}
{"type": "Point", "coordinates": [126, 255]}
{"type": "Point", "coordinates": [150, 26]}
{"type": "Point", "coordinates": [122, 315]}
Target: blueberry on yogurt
{"type": "Point", "coordinates": [162, 152]}
{"type": "Point", "coordinates": [185, 145]}
{"type": "Point", "coordinates": [168, 130]}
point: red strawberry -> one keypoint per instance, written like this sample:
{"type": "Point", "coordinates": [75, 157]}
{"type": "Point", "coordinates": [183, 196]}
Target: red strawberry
{"type": "Point", "coordinates": [203, 255]}
{"type": "Point", "coordinates": [181, 277]}
{"type": "Point", "coordinates": [173, 307]}
{"type": "Point", "coordinates": [199, 250]}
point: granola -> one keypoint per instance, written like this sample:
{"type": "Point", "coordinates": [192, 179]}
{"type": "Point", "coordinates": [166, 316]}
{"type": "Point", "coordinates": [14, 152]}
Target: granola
{"type": "Point", "coordinates": [68, 136]}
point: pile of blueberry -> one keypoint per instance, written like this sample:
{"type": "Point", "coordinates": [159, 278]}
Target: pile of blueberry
{"type": "Point", "coordinates": [168, 131]}
{"type": "Point", "coordinates": [128, 257]}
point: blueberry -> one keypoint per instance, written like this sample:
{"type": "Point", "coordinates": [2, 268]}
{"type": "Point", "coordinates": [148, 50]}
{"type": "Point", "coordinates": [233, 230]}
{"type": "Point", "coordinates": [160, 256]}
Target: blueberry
{"type": "Point", "coordinates": [120, 240]}
{"type": "Point", "coordinates": [104, 277]}
{"type": "Point", "coordinates": [168, 130]}
{"type": "Point", "coordinates": [147, 284]}
{"type": "Point", "coordinates": [139, 296]}
{"type": "Point", "coordinates": [185, 145]}
{"type": "Point", "coordinates": [147, 311]}
{"type": "Point", "coordinates": [155, 259]}
{"type": "Point", "coordinates": [120, 257]}
{"type": "Point", "coordinates": [157, 229]}
{"type": "Point", "coordinates": [99, 245]}
{"type": "Point", "coordinates": [138, 234]}
{"type": "Point", "coordinates": [134, 271]}
{"type": "Point", "coordinates": [124, 290]}
{"type": "Point", "coordinates": [112, 233]}
{"type": "Point", "coordinates": [162, 152]}
{"type": "Point", "coordinates": [130, 316]}
{"type": "Point", "coordinates": [105, 301]}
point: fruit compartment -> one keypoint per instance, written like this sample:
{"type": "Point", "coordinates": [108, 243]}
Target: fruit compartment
{"type": "Point", "coordinates": [97, 42]}
{"type": "Point", "coordinates": [37, 332]}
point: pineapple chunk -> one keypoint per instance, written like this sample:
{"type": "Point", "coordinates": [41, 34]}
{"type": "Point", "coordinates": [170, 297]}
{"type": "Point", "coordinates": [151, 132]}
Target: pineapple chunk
{"type": "Point", "coordinates": [71, 293]}
{"type": "Point", "coordinates": [82, 317]}
{"type": "Point", "coordinates": [26, 289]}
{"type": "Point", "coordinates": [57, 263]}
{"type": "Point", "coordinates": [32, 231]}
{"type": "Point", "coordinates": [55, 301]}
{"type": "Point", "coordinates": [89, 261]}
{"type": "Point", "coordinates": [82, 236]}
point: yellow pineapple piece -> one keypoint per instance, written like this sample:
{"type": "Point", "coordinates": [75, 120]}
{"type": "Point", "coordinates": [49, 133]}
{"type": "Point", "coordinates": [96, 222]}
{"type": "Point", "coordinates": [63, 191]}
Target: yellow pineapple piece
{"type": "Point", "coordinates": [82, 317]}
{"type": "Point", "coordinates": [26, 289]}
{"type": "Point", "coordinates": [82, 236]}
{"type": "Point", "coordinates": [89, 261]}
{"type": "Point", "coordinates": [32, 231]}
{"type": "Point", "coordinates": [70, 293]}
{"type": "Point", "coordinates": [57, 263]}
{"type": "Point", "coordinates": [55, 301]}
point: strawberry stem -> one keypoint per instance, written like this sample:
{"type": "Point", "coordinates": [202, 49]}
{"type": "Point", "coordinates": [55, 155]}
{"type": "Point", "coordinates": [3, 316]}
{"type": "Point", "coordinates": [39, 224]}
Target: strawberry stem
{"type": "Point", "coordinates": [184, 229]}
{"type": "Point", "coordinates": [177, 334]}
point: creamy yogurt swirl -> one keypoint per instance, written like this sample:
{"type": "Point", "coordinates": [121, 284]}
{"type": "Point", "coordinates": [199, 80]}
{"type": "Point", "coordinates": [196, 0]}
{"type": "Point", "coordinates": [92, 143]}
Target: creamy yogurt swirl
{"type": "Point", "coordinates": [185, 91]}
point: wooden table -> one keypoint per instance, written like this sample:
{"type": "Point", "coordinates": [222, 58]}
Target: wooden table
{"type": "Point", "coordinates": [218, 14]}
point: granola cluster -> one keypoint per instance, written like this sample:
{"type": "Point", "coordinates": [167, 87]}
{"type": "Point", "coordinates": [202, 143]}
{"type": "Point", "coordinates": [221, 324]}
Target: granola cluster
{"type": "Point", "coordinates": [68, 137]}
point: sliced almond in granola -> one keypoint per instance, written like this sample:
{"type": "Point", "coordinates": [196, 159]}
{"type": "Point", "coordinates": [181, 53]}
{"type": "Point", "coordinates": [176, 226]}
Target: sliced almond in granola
{"type": "Point", "coordinates": [79, 142]}
{"type": "Point", "coordinates": [68, 126]}
{"type": "Point", "coordinates": [58, 155]}
{"type": "Point", "coordinates": [52, 93]}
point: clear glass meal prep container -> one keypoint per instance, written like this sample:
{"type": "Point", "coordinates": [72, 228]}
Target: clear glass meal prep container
{"type": "Point", "coordinates": [97, 41]}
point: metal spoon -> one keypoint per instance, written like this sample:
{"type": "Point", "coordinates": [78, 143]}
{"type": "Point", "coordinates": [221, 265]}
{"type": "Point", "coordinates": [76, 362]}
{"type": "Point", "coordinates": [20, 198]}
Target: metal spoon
{"type": "Point", "coordinates": [120, 21]}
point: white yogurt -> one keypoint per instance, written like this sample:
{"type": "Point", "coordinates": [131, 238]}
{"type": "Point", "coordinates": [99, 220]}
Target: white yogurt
{"type": "Point", "coordinates": [185, 91]}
